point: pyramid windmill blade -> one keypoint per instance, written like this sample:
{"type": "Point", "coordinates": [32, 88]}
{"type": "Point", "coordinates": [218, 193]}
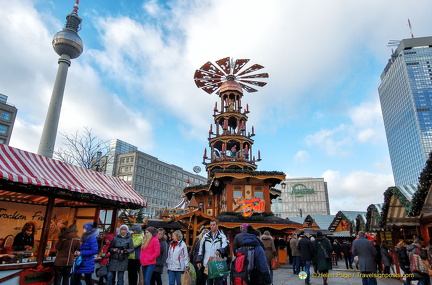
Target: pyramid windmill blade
{"type": "Point", "coordinates": [256, 83]}
{"type": "Point", "coordinates": [210, 88]}
{"type": "Point", "coordinates": [253, 68]}
{"type": "Point", "coordinates": [260, 75]}
{"type": "Point", "coordinates": [247, 88]}
{"type": "Point", "coordinates": [225, 64]}
{"type": "Point", "coordinates": [239, 63]}
{"type": "Point", "coordinates": [211, 68]}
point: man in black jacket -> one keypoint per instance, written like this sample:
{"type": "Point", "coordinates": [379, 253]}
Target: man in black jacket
{"type": "Point", "coordinates": [306, 254]}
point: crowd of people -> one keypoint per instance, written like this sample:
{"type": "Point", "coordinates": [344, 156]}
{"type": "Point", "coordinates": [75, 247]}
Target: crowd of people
{"type": "Point", "coordinates": [146, 254]}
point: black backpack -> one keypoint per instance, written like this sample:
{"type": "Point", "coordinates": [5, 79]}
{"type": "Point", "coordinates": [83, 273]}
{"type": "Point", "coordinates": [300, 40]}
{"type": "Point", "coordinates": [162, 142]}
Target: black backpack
{"type": "Point", "coordinates": [242, 265]}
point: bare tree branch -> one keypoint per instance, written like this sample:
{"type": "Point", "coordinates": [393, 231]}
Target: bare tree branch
{"type": "Point", "coordinates": [85, 150]}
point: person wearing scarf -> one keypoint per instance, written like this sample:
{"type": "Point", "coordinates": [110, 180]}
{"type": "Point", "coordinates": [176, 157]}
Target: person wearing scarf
{"type": "Point", "coordinates": [178, 258]}
{"type": "Point", "coordinates": [150, 250]}
{"type": "Point", "coordinates": [120, 248]}
{"type": "Point", "coordinates": [88, 249]}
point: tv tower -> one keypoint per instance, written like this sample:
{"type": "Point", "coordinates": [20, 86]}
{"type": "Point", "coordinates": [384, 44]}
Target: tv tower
{"type": "Point", "coordinates": [68, 45]}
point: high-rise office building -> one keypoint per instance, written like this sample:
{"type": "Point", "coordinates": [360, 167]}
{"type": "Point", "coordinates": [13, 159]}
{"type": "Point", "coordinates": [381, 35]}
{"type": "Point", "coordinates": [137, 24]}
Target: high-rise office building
{"type": "Point", "coordinates": [160, 183]}
{"type": "Point", "coordinates": [7, 119]}
{"type": "Point", "coordinates": [406, 101]}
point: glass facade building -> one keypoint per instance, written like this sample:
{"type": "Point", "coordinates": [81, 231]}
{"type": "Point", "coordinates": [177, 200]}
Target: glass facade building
{"type": "Point", "coordinates": [405, 94]}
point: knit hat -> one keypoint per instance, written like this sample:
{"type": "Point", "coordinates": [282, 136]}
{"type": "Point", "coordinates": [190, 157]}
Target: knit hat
{"type": "Point", "coordinates": [137, 229]}
{"type": "Point", "coordinates": [90, 226]}
{"type": "Point", "coordinates": [123, 226]}
{"type": "Point", "coordinates": [151, 230]}
{"type": "Point", "coordinates": [109, 237]}
{"type": "Point", "coordinates": [245, 225]}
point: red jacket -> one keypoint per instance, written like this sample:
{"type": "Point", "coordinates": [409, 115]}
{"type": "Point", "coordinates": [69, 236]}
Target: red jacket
{"type": "Point", "coordinates": [151, 252]}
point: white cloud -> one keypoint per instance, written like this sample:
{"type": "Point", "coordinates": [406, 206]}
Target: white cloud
{"type": "Point", "coordinates": [301, 156]}
{"type": "Point", "coordinates": [356, 190]}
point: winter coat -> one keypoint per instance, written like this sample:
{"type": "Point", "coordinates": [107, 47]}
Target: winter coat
{"type": "Point", "coordinates": [118, 260]}
{"type": "Point", "coordinates": [178, 257]}
{"type": "Point", "coordinates": [163, 255]}
{"type": "Point", "coordinates": [306, 249]}
{"type": "Point", "coordinates": [195, 251]}
{"type": "Point", "coordinates": [403, 258]}
{"type": "Point", "coordinates": [21, 240]}
{"type": "Point", "coordinates": [346, 249]}
{"type": "Point", "coordinates": [137, 240]}
{"type": "Point", "coordinates": [149, 254]}
{"type": "Point", "coordinates": [386, 258]}
{"type": "Point", "coordinates": [210, 244]}
{"type": "Point", "coordinates": [269, 248]}
{"type": "Point", "coordinates": [366, 252]}
{"type": "Point", "coordinates": [88, 249]}
{"type": "Point", "coordinates": [416, 249]}
{"type": "Point", "coordinates": [261, 271]}
{"type": "Point", "coordinates": [68, 243]}
{"type": "Point", "coordinates": [238, 241]}
{"type": "Point", "coordinates": [293, 246]}
{"type": "Point", "coordinates": [319, 245]}
{"type": "Point", "coordinates": [105, 258]}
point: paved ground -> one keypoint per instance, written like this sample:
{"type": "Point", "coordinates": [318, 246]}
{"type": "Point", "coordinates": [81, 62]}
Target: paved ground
{"type": "Point", "coordinates": [338, 276]}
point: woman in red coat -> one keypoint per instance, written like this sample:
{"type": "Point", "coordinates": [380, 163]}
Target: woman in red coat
{"type": "Point", "coordinates": [150, 250]}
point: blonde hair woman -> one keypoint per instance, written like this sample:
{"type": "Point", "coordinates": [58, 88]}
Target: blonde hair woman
{"type": "Point", "coordinates": [194, 256]}
{"type": "Point", "coordinates": [178, 258]}
{"type": "Point", "coordinates": [150, 250]}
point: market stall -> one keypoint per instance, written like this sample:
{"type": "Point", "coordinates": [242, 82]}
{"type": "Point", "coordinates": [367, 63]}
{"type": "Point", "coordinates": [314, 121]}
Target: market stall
{"type": "Point", "coordinates": [51, 194]}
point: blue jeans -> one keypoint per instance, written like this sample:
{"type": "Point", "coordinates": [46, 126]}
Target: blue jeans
{"type": "Point", "coordinates": [112, 275]}
{"type": "Point", "coordinates": [369, 280]}
{"type": "Point", "coordinates": [174, 277]}
{"type": "Point", "coordinates": [296, 264]}
{"type": "Point", "coordinates": [215, 281]}
{"type": "Point", "coordinates": [307, 269]}
{"type": "Point", "coordinates": [147, 273]}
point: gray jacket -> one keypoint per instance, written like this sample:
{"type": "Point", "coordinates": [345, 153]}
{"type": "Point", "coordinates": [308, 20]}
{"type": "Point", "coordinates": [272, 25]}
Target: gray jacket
{"type": "Point", "coordinates": [366, 252]}
{"type": "Point", "coordinates": [118, 260]}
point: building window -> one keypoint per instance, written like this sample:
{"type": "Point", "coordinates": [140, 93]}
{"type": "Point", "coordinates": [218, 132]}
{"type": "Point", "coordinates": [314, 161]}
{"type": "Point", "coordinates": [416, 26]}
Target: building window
{"type": "Point", "coordinates": [259, 194]}
{"type": "Point", "coordinates": [237, 194]}
{"type": "Point", "coordinates": [6, 116]}
{"type": "Point", "coordinates": [3, 129]}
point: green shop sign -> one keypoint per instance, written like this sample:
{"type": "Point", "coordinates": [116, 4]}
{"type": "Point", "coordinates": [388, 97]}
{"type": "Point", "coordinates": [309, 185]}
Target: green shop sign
{"type": "Point", "coordinates": [299, 190]}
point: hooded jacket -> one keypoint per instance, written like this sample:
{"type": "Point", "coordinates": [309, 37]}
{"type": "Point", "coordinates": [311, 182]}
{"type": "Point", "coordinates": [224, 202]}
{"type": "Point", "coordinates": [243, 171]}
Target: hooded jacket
{"type": "Point", "coordinates": [68, 243]}
{"type": "Point", "coordinates": [261, 271]}
{"type": "Point", "coordinates": [178, 257]}
{"type": "Point", "coordinates": [88, 249]}
{"type": "Point", "coordinates": [210, 243]}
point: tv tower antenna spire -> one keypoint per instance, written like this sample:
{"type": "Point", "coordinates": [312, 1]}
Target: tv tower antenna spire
{"type": "Point", "coordinates": [409, 25]}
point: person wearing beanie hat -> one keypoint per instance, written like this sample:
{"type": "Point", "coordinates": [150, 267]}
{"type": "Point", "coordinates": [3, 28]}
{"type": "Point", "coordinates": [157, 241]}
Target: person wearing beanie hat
{"type": "Point", "coordinates": [321, 248]}
{"type": "Point", "coordinates": [89, 247]}
{"type": "Point", "coordinates": [150, 250]}
{"type": "Point", "coordinates": [105, 254]}
{"type": "Point", "coordinates": [120, 248]}
{"type": "Point", "coordinates": [134, 264]}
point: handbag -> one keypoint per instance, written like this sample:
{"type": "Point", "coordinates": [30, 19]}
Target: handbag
{"type": "Point", "coordinates": [274, 263]}
{"type": "Point", "coordinates": [417, 265]}
{"type": "Point", "coordinates": [327, 256]}
{"type": "Point", "coordinates": [217, 268]}
{"type": "Point", "coordinates": [102, 271]}
{"type": "Point", "coordinates": [77, 263]}
{"type": "Point", "coordinates": [186, 278]}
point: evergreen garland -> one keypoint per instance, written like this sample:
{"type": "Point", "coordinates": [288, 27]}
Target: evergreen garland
{"type": "Point", "coordinates": [253, 218]}
{"type": "Point", "coordinates": [425, 181]}
{"type": "Point", "coordinates": [244, 171]}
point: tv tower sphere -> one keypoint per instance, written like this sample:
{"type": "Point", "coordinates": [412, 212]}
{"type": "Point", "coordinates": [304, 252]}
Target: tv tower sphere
{"type": "Point", "coordinates": [67, 41]}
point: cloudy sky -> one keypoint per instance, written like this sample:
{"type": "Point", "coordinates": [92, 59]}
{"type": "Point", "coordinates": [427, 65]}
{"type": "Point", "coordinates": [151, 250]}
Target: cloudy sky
{"type": "Point", "coordinates": [318, 116]}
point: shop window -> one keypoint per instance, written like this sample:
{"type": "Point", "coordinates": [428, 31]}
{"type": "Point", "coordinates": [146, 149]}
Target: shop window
{"type": "Point", "coordinates": [259, 194]}
{"type": "Point", "coordinates": [237, 194]}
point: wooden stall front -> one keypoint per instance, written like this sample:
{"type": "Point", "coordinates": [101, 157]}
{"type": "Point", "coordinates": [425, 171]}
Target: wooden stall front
{"type": "Point", "coordinates": [52, 195]}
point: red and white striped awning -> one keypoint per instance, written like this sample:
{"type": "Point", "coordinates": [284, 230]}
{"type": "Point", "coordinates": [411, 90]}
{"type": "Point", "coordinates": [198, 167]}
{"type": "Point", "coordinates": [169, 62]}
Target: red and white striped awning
{"type": "Point", "coordinates": [23, 167]}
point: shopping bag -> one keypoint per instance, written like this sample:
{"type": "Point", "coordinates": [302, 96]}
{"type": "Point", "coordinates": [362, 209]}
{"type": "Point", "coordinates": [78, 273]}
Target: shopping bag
{"type": "Point", "coordinates": [193, 272]}
{"type": "Point", "coordinates": [102, 271]}
{"type": "Point", "coordinates": [217, 268]}
{"type": "Point", "coordinates": [186, 278]}
{"type": "Point", "coordinates": [274, 263]}
{"type": "Point", "coordinates": [417, 265]}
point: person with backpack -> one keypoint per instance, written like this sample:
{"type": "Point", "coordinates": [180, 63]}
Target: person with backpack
{"type": "Point", "coordinates": [134, 265]}
{"type": "Point", "coordinates": [249, 266]}
{"type": "Point", "coordinates": [68, 243]}
{"type": "Point", "coordinates": [213, 244]}
{"type": "Point", "coordinates": [322, 250]}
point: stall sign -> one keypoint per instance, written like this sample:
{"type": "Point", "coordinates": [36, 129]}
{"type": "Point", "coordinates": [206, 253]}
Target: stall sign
{"type": "Point", "coordinates": [250, 206]}
{"type": "Point", "coordinates": [37, 276]}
